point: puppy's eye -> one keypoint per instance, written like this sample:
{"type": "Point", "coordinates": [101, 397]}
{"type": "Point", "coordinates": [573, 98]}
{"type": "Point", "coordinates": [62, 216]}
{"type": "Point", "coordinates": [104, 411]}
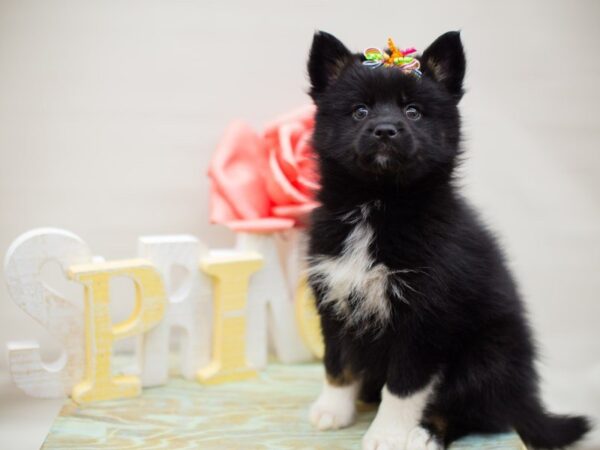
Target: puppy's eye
{"type": "Point", "coordinates": [360, 112]}
{"type": "Point", "coordinates": [412, 112]}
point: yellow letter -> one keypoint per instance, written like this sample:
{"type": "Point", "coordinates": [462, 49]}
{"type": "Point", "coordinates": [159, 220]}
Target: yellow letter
{"type": "Point", "coordinates": [231, 274]}
{"type": "Point", "coordinates": [307, 317]}
{"type": "Point", "coordinates": [100, 333]}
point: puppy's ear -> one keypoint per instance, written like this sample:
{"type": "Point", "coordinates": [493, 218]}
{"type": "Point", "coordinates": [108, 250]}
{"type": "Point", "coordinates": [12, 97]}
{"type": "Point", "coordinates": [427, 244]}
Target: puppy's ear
{"type": "Point", "coordinates": [444, 61]}
{"type": "Point", "coordinates": [328, 56]}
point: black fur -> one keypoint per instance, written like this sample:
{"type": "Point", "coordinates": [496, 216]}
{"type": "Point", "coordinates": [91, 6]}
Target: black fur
{"type": "Point", "coordinates": [463, 320]}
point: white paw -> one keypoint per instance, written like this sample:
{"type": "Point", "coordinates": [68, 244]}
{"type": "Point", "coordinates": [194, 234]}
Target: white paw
{"type": "Point", "coordinates": [333, 409]}
{"type": "Point", "coordinates": [380, 438]}
{"type": "Point", "coordinates": [330, 416]}
{"type": "Point", "coordinates": [420, 439]}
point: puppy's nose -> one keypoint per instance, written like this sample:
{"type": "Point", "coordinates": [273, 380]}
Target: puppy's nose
{"type": "Point", "coordinates": [385, 131]}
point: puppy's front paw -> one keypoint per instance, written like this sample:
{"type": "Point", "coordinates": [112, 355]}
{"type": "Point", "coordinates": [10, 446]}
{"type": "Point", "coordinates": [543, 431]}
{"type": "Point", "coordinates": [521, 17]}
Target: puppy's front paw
{"type": "Point", "coordinates": [385, 439]}
{"type": "Point", "coordinates": [394, 438]}
{"type": "Point", "coordinates": [420, 439]}
{"type": "Point", "coordinates": [330, 416]}
{"type": "Point", "coordinates": [333, 409]}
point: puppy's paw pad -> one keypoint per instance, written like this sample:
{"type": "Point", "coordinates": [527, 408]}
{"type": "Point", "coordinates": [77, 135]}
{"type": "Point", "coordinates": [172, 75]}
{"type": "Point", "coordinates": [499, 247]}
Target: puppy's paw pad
{"type": "Point", "coordinates": [420, 439]}
{"type": "Point", "coordinates": [329, 416]}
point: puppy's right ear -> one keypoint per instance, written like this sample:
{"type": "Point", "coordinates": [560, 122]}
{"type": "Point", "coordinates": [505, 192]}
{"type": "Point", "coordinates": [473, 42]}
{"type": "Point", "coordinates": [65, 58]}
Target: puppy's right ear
{"type": "Point", "coordinates": [328, 56]}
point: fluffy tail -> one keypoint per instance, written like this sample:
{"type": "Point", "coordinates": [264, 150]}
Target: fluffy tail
{"type": "Point", "coordinates": [548, 431]}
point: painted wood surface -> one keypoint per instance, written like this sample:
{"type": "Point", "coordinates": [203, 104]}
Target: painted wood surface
{"type": "Point", "coordinates": [231, 274]}
{"type": "Point", "coordinates": [189, 308]}
{"type": "Point", "coordinates": [98, 381]}
{"type": "Point", "coordinates": [269, 412]}
{"type": "Point", "coordinates": [61, 316]}
{"type": "Point", "coordinates": [308, 319]}
{"type": "Point", "coordinates": [270, 306]}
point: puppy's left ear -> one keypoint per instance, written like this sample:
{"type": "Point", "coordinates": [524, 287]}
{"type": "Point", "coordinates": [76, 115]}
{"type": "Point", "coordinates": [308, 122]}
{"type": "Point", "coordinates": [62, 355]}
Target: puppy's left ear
{"type": "Point", "coordinates": [328, 57]}
{"type": "Point", "coordinates": [444, 61]}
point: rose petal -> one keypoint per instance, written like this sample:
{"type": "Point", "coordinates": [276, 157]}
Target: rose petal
{"type": "Point", "coordinates": [267, 225]}
{"type": "Point", "coordinates": [220, 210]}
{"type": "Point", "coordinates": [253, 179]}
{"type": "Point", "coordinates": [283, 146]}
{"type": "Point", "coordinates": [294, 211]}
{"type": "Point", "coordinates": [300, 213]}
{"type": "Point", "coordinates": [281, 190]}
{"type": "Point", "coordinates": [288, 137]}
{"type": "Point", "coordinates": [237, 172]}
{"type": "Point", "coordinates": [306, 161]}
{"type": "Point", "coordinates": [307, 186]}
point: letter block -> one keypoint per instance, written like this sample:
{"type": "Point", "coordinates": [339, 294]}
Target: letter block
{"type": "Point", "coordinates": [189, 308]}
{"type": "Point", "coordinates": [308, 320]}
{"type": "Point", "coordinates": [98, 382]}
{"type": "Point", "coordinates": [270, 306]}
{"type": "Point", "coordinates": [231, 274]}
{"type": "Point", "coordinates": [60, 316]}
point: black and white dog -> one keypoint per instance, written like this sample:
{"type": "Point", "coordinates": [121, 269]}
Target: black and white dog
{"type": "Point", "coordinates": [418, 308]}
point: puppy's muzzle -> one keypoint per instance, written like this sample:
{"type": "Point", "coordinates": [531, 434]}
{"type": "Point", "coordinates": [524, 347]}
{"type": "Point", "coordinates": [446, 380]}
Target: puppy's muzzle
{"type": "Point", "coordinates": [385, 146]}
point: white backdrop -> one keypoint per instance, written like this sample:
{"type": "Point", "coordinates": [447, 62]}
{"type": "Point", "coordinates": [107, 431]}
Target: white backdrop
{"type": "Point", "coordinates": [109, 111]}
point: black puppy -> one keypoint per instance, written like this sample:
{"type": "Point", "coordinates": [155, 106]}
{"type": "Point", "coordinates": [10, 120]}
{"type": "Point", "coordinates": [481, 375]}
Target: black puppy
{"type": "Point", "coordinates": [417, 306]}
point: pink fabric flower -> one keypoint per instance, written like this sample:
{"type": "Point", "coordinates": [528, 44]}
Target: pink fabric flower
{"type": "Point", "coordinates": [265, 183]}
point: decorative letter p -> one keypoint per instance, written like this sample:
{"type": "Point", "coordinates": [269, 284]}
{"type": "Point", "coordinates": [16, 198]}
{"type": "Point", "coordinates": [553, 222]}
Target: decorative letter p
{"type": "Point", "coordinates": [100, 333]}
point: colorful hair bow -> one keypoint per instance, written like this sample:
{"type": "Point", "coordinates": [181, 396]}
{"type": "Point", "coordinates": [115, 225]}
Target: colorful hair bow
{"type": "Point", "coordinates": [375, 57]}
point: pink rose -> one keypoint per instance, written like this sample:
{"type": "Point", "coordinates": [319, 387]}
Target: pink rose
{"type": "Point", "coordinates": [265, 183]}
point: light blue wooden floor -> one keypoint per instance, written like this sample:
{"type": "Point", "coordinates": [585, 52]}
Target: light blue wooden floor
{"type": "Point", "coordinates": [267, 413]}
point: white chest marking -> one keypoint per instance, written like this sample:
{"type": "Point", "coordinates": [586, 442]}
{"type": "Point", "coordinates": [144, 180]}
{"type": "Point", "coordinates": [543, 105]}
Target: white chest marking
{"type": "Point", "coordinates": [354, 274]}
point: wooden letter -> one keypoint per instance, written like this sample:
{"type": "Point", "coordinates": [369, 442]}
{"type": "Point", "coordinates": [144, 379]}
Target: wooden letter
{"type": "Point", "coordinates": [307, 318]}
{"type": "Point", "coordinates": [98, 382]}
{"type": "Point", "coordinates": [190, 308]}
{"type": "Point", "coordinates": [231, 273]}
{"type": "Point", "coordinates": [270, 306]}
{"type": "Point", "coordinates": [61, 317]}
